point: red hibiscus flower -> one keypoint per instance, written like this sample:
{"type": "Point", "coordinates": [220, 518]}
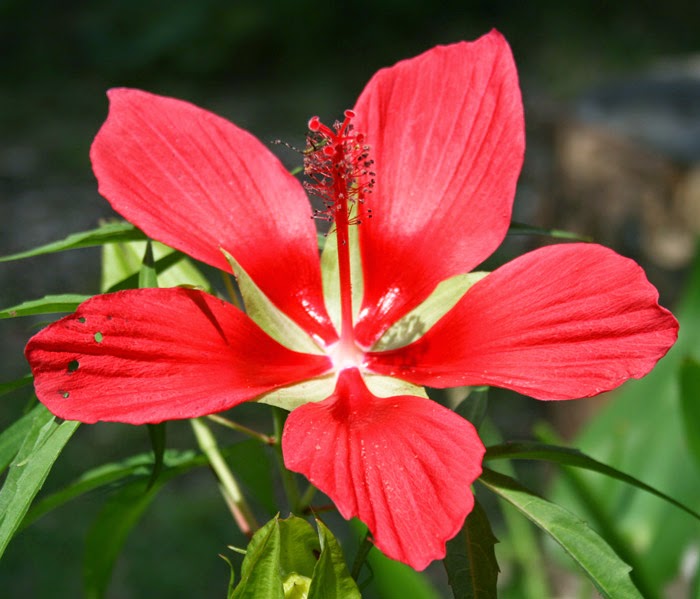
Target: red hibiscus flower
{"type": "Point", "coordinates": [418, 181]}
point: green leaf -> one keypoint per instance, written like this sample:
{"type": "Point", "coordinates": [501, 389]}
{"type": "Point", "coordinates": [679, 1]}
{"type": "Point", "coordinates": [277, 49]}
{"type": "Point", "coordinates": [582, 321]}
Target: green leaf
{"type": "Point", "coordinates": [16, 384]}
{"type": "Point", "coordinates": [522, 229]}
{"type": "Point", "coordinates": [604, 568]}
{"type": "Point", "coordinates": [473, 407]}
{"type": "Point", "coordinates": [690, 405]}
{"type": "Point", "coordinates": [120, 514]}
{"type": "Point", "coordinates": [231, 578]}
{"type": "Point", "coordinates": [49, 304]}
{"type": "Point", "coordinates": [286, 559]}
{"type": "Point", "coordinates": [107, 233]}
{"type": "Point", "coordinates": [43, 443]}
{"type": "Point", "coordinates": [472, 569]}
{"type": "Point", "coordinates": [12, 437]}
{"type": "Point", "coordinates": [140, 465]}
{"type": "Point", "coordinates": [121, 266]}
{"type": "Point", "coordinates": [640, 430]}
{"type": "Point", "coordinates": [531, 450]}
{"type": "Point", "coordinates": [148, 276]}
{"type": "Point", "coordinates": [260, 573]}
{"type": "Point", "coordinates": [109, 531]}
{"type": "Point", "coordinates": [331, 579]}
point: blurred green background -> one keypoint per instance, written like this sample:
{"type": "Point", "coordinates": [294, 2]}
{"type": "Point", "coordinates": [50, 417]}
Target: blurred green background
{"type": "Point", "coordinates": [612, 93]}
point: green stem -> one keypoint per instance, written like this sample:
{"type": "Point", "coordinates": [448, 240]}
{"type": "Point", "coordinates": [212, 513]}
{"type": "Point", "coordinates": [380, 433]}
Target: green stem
{"type": "Point", "coordinates": [289, 482]}
{"type": "Point", "coordinates": [306, 498]}
{"type": "Point", "coordinates": [240, 510]}
{"type": "Point", "coordinates": [267, 439]}
{"type": "Point", "coordinates": [361, 556]}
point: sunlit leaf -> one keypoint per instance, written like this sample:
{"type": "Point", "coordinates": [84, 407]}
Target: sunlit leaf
{"type": "Point", "coordinates": [107, 233]}
{"type": "Point", "coordinates": [13, 436]}
{"type": "Point", "coordinates": [287, 559]}
{"type": "Point", "coordinates": [49, 304]}
{"type": "Point", "coordinates": [121, 266]}
{"type": "Point", "coordinates": [260, 574]}
{"type": "Point", "coordinates": [531, 450]}
{"type": "Point", "coordinates": [148, 276]}
{"type": "Point", "coordinates": [604, 568]}
{"type": "Point", "coordinates": [472, 570]}
{"type": "Point", "coordinates": [43, 442]}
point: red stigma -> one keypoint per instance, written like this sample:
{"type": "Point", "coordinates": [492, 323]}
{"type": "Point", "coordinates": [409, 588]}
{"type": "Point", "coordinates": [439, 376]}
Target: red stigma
{"type": "Point", "coordinates": [337, 167]}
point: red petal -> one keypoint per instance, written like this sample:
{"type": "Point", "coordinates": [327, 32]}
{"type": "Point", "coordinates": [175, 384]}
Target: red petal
{"type": "Point", "coordinates": [403, 465]}
{"type": "Point", "coordinates": [446, 132]}
{"type": "Point", "coordinates": [149, 355]}
{"type": "Point", "coordinates": [561, 322]}
{"type": "Point", "coordinates": [198, 183]}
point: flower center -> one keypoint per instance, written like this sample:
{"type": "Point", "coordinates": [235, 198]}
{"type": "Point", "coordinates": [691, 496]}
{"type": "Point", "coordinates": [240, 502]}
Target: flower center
{"type": "Point", "coordinates": [339, 172]}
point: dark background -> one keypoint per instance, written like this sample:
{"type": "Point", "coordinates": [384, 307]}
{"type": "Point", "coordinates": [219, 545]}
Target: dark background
{"type": "Point", "coordinates": [612, 93]}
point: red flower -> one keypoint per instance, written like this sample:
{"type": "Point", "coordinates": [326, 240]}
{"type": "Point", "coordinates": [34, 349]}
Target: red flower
{"type": "Point", "coordinates": [433, 148]}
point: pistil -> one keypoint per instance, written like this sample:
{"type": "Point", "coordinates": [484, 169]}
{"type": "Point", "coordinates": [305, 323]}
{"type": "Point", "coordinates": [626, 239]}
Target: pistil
{"type": "Point", "coordinates": [338, 171]}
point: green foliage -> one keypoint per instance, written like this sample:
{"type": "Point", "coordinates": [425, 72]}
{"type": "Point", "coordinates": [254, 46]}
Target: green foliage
{"type": "Point", "coordinates": [286, 557]}
{"type": "Point", "coordinates": [49, 304]}
{"type": "Point", "coordinates": [116, 232]}
{"type": "Point", "coordinates": [690, 406]}
{"type": "Point", "coordinates": [471, 564]}
{"type": "Point", "coordinates": [603, 567]}
{"type": "Point", "coordinates": [41, 445]}
{"type": "Point", "coordinates": [642, 431]}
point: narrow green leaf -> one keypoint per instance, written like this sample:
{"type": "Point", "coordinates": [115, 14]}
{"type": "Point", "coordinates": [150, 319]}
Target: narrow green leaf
{"type": "Point", "coordinates": [109, 531]}
{"type": "Point", "coordinates": [566, 456]}
{"type": "Point", "coordinates": [690, 405]}
{"type": "Point", "coordinates": [16, 384]}
{"type": "Point", "coordinates": [472, 569]}
{"type": "Point", "coordinates": [42, 445]}
{"type": "Point", "coordinates": [148, 276]}
{"type": "Point", "coordinates": [523, 229]}
{"type": "Point", "coordinates": [331, 579]}
{"type": "Point", "coordinates": [112, 526]}
{"type": "Point", "coordinates": [604, 568]}
{"type": "Point", "coordinates": [114, 232]}
{"type": "Point", "coordinates": [140, 465]}
{"type": "Point", "coordinates": [49, 304]}
{"type": "Point", "coordinates": [13, 436]}
{"type": "Point", "coordinates": [231, 578]}
{"type": "Point", "coordinates": [132, 281]}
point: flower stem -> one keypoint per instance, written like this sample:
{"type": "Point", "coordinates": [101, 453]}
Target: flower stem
{"type": "Point", "coordinates": [291, 489]}
{"type": "Point", "coordinates": [267, 439]}
{"type": "Point", "coordinates": [240, 510]}
{"type": "Point", "coordinates": [361, 555]}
